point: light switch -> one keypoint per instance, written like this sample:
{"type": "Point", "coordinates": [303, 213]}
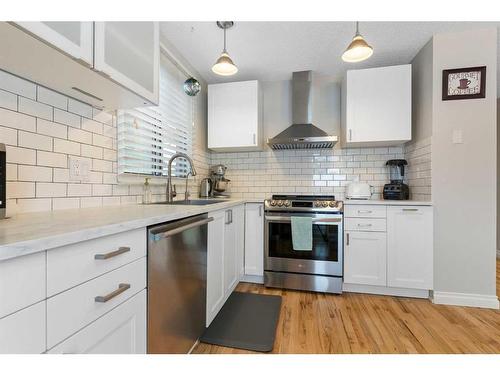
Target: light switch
{"type": "Point", "coordinates": [457, 136]}
{"type": "Point", "coordinates": [79, 169]}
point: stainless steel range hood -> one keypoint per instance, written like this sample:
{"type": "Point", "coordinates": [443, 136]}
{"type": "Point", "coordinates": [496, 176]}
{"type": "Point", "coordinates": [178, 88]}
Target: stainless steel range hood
{"type": "Point", "coordinates": [302, 134]}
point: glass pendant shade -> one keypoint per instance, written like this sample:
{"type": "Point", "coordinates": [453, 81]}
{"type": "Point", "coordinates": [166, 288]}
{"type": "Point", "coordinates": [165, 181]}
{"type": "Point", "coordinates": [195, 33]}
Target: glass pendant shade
{"type": "Point", "coordinates": [224, 66]}
{"type": "Point", "coordinates": [358, 49]}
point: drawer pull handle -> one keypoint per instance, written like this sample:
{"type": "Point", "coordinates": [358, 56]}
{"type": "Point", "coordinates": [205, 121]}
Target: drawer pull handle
{"type": "Point", "coordinates": [364, 225]}
{"type": "Point", "coordinates": [410, 209]}
{"type": "Point", "coordinates": [347, 237]}
{"type": "Point", "coordinates": [112, 254]}
{"type": "Point", "coordinates": [364, 212]}
{"type": "Point", "coordinates": [107, 297]}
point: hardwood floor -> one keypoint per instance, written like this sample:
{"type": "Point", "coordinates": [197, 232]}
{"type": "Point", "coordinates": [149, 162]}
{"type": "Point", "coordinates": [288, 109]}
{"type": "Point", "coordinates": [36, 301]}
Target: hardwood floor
{"type": "Point", "coordinates": [363, 323]}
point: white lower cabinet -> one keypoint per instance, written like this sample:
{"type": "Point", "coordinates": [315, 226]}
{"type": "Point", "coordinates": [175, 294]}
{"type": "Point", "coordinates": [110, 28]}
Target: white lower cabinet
{"type": "Point", "coordinates": [254, 239]}
{"type": "Point", "coordinates": [225, 257]}
{"type": "Point", "coordinates": [24, 331]}
{"type": "Point", "coordinates": [410, 247]}
{"type": "Point", "coordinates": [120, 331]}
{"type": "Point", "coordinates": [365, 258]}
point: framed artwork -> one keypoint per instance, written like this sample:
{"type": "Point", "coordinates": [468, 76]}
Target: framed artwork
{"type": "Point", "coordinates": [464, 83]}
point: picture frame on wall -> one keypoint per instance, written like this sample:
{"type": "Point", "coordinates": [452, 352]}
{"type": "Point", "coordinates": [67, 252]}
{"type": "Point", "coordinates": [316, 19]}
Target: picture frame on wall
{"type": "Point", "coordinates": [464, 83]}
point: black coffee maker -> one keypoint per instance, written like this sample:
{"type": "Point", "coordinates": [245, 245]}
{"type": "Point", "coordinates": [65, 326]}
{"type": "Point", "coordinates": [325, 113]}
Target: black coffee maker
{"type": "Point", "coordinates": [396, 189]}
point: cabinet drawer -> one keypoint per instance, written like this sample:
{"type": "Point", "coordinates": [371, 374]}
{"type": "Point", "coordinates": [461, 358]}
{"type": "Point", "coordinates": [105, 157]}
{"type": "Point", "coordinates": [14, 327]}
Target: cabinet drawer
{"type": "Point", "coordinates": [120, 331]}
{"type": "Point", "coordinates": [72, 310]}
{"type": "Point", "coordinates": [365, 224]}
{"type": "Point", "coordinates": [71, 265]}
{"type": "Point", "coordinates": [22, 282]}
{"type": "Point", "coordinates": [24, 331]}
{"type": "Point", "coordinates": [365, 211]}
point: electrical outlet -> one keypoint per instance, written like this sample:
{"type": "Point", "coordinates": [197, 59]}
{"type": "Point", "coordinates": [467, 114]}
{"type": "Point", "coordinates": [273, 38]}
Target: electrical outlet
{"type": "Point", "coordinates": [457, 136]}
{"type": "Point", "coordinates": [79, 169]}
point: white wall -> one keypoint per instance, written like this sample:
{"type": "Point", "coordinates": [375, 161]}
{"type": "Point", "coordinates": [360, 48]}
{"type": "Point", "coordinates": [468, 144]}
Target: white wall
{"type": "Point", "coordinates": [464, 175]}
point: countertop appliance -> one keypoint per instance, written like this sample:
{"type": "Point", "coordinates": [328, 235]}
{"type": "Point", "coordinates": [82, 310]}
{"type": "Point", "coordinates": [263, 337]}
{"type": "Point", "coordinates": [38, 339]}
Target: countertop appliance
{"type": "Point", "coordinates": [177, 274]}
{"type": "Point", "coordinates": [3, 181]}
{"type": "Point", "coordinates": [359, 190]}
{"type": "Point", "coordinates": [302, 133]}
{"type": "Point", "coordinates": [205, 188]}
{"type": "Point", "coordinates": [219, 182]}
{"type": "Point", "coordinates": [396, 189]}
{"type": "Point", "coordinates": [320, 269]}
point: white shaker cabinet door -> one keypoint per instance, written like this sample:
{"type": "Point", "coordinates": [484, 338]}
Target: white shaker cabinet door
{"type": "Point", "coordinates": [230, 253]}
{"type": "Point", "coordinates": [24, 331]}
{"type": "Point", "coordinates": [410, 247]}
{"type": "Point", "coordinates": [254, 239]}
{"type": "Point", "coordinates": [365, 258]}
{"type": "Point", "coordinates": [120, 331]}
{"type": "Point", "coordinates": [72, 37]}
{"type": "Point", "coordinates": [215, 265]}
{"type": "Point", "coordinates": [129, 53]}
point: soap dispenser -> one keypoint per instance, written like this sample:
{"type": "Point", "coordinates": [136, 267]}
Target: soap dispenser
{"type": "Point", "coordinates": [146, 195]}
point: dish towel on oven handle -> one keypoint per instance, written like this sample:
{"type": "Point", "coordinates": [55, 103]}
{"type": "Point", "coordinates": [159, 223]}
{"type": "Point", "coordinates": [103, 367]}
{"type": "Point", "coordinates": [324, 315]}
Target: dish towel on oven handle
{"type": "Point", "coordinates": [301, 233]}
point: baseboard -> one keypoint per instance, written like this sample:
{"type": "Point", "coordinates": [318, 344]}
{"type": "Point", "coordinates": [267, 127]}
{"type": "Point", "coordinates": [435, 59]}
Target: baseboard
{"type": "Point", "coordinates": [252, 279]}
{"type": "Point", "coordinates": [386, 291]}
{"type": "Point", "coordinates": [466, 299]}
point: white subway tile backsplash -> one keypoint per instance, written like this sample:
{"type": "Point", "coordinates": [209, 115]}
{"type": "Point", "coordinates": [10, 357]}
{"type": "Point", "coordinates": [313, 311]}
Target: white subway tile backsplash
{"type": "Point", "coordinates": [102, 190]}
{"type": "Point", "coordinates": [91, 202]}
{"type": "Point", "coordinates": [17, 189]}
{"type": "Point", "coordinates": [8, 100]}
{"type": "Point", "coordinates": [102, 141]}
{"type": "Point", "coordinates": [17, 120]}
{"type": "Point", "coordinates": [51, 159]}
{"type": "Point", "coordinates": [17, 85]}
{"type": "Point", "coordinates": [20, 155]}
{"type": "Point", "coordinates": [92, 151]}
{"type": "Point", "coordinates": [8, 136]}
{"type": "Point", "coordinates": [79, 108]}
{"type": "Point", "coordinates": [51, 129]}
{"type": "Point", "coordinates": [11, 174]}
{"type": "Point", "coordinates": [60, 175]}
{"type": "Point", "coordinates": [66, 147]}
{"type": "Point", "coordinates": [65, 203]}
{"type": "Point", "coordinates": [102, 165]}
{"type": "Point", "coordinates": [52, 98]}
{"type": "Point", "coordinates": [67, 118]}
{"type": "Point", "coordinates": [78, 135]}
{"type": "Point", "coordinates": [79, 190]}
{"type": "Point", "coordinates": [92, 126]}
{"type": "Point", "coordinates": [34, 205]}
{"type": "Point", "coordinates": [34, 173]}
{"type": "Point", "coordinates": [47, 189]}
{"type": "Point", "coordinates": [34, 141]}
{"type": "Point", "coordinates": [34, 108]}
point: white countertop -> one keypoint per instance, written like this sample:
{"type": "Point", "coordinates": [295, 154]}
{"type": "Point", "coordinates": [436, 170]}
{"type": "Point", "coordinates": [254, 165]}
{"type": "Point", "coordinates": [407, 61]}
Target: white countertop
{"type": "Point", "coordinates": [33, 232]}
{"type": "Point", "coordinates": [386, 202]}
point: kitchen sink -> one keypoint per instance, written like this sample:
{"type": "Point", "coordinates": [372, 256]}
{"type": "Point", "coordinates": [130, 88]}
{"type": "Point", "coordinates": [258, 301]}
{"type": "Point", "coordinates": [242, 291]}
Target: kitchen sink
{"type": "Point", "coordinates": [196, 202]}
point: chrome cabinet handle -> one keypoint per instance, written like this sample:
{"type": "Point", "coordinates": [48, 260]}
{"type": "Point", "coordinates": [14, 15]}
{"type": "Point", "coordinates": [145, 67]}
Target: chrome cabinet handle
{"type": "Point", "coordinates": [410, 209]}
{"type": "Point", "coordinates": [158, 234]}
{"type": "Point", "coordinates": [111, 254]}
{"type": "Point", "coordinates": [350, 134]}
{"type": "Point", "coordinates": [315, 221]}
{"type": "Point", "coordinates": [364, 225]}
{"type": "Point", "coordinates": [254, 138]}
{"type": "Point", "coordinates": [260, 211]}
{"type": "Point", "coordinates": [347, 238]}
{"type": "Point", "coordinates": [364, 212]}
{"type": "Point", "coordinates": [107, 297]}
{"type": "Point", "coordinates": [229, 216]}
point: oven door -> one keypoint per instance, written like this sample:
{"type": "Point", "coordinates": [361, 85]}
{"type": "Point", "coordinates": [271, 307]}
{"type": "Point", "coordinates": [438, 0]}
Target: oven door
{"type": "Point", "coordinates": [326, 255]}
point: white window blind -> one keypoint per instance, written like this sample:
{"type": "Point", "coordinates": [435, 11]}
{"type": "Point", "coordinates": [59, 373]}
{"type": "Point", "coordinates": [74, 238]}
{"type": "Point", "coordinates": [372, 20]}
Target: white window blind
{"type": "Point", "coordinates": [148, 137]}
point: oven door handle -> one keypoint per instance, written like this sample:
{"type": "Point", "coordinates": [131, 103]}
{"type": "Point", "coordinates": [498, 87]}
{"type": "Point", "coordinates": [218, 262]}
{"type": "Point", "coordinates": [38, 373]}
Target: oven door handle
{"type": "Point", "coordinates": [315, 221]}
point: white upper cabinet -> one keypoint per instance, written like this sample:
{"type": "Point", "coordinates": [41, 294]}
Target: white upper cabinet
{"type": "Point", "coordinates": [376, 106]}
{"type": "Point", "coordinates": [111, 65]}
{"type": "Point", "coordinates": [410, 247]}
{"type": "Point", "coordinates": [74, 38]}
{"type": "Point", "coordinates": [235, 116]}
{"type": "Point", "coordinates": [129, 53]}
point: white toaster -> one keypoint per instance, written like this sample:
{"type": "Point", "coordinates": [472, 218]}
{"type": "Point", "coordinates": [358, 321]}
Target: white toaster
{"type": "Point", "coordinates": [359, 190]}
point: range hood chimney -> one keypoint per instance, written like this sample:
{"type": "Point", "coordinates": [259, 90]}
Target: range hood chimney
{"type": "Point", "coordinates": [302, 134]}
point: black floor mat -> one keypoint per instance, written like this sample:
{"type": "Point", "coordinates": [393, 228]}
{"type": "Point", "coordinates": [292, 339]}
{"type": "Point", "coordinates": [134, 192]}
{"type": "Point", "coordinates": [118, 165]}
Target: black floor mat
{"type": "Point", "coordinates": [246, 321]}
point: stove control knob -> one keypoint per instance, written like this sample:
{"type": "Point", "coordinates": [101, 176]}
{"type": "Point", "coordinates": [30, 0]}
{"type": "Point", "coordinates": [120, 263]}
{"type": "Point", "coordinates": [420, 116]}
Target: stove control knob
{"type": "Point", "coordinates": [287, 203]}
{"type": "Point", "coordinates": [317, 204]}
{"type": "Point", "coordinates": [325, 204]}
{"type": "Point", "coordinates": [273, 203]}
{"type": "Point", "coordinates": [332, 204]}
{"type": "Point", "coordinates": [280, 203]}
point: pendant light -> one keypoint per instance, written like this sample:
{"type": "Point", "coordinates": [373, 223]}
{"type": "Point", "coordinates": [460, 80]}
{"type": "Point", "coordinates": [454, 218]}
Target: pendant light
{"type": "Point", "coordinates": [358, 50]}
{"type": "Point", "coordinates": [224, 66]}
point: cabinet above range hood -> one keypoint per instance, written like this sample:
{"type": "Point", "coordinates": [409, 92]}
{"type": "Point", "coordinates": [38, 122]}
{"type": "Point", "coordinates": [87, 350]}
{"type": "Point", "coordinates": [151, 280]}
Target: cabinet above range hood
{"type": "Point", "coordinates": [302, 134]}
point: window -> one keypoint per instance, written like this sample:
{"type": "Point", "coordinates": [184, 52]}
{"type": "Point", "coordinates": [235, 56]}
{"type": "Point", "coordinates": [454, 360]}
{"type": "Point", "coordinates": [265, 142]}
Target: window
{"type": "Point", "coordinates": [148, 137]}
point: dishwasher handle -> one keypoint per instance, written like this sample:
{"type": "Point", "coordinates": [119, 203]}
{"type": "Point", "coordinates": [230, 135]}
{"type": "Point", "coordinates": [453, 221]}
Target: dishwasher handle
{"type": "Point", "coordinates": [159, 234]}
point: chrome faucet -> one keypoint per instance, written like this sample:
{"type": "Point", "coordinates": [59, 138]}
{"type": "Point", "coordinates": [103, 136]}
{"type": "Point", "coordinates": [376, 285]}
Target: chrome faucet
{"type": "Point", "coordinates": [171, 193]}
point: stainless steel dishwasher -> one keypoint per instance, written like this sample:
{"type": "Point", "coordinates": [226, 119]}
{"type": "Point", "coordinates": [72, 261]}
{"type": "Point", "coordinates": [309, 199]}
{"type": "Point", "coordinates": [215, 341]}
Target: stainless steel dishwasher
{"type": "Point", "coordinates": [177, 274]}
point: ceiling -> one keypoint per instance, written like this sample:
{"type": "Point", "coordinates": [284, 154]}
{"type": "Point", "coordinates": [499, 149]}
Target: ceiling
{"type": "Point", "coordinates": [271, 51]}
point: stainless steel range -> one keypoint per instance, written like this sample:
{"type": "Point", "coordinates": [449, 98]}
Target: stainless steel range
{"type": "Point", "coordinates": [319, 269]}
